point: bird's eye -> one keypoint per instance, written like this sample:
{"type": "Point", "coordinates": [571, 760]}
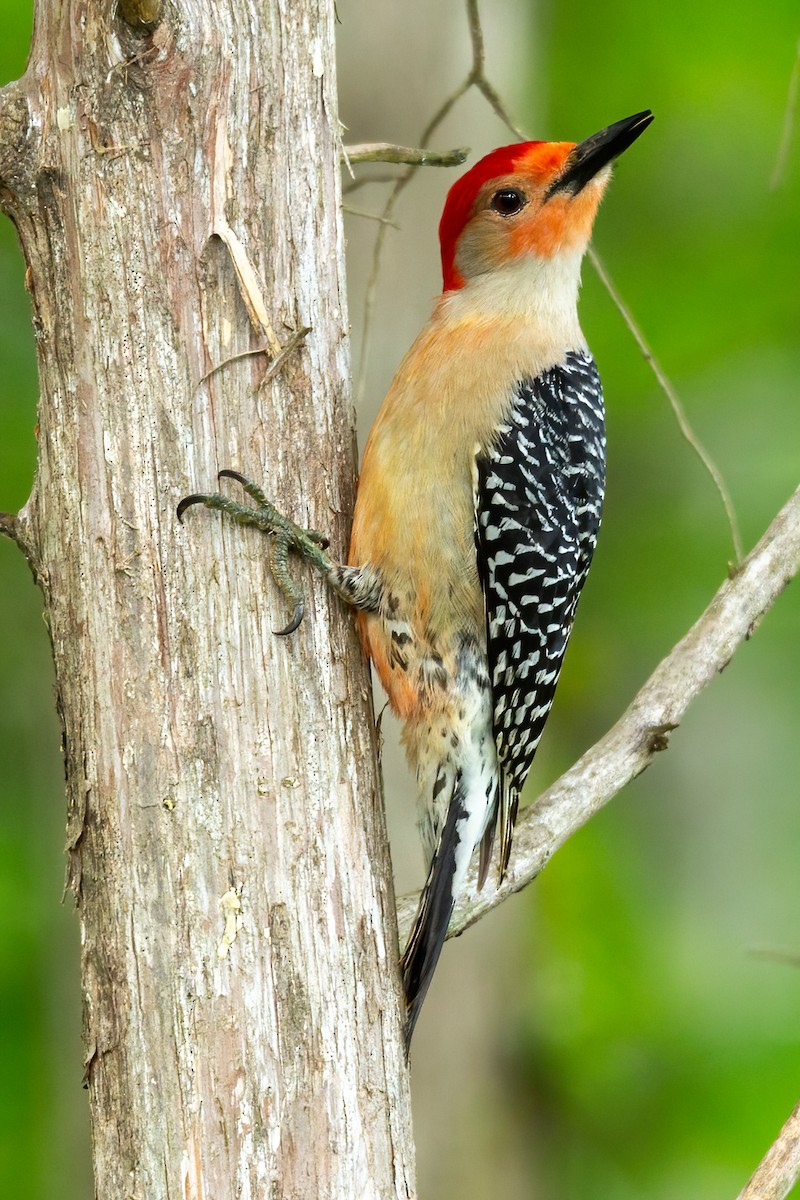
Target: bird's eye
{"type": "Point", "coordinates": [508, 201]}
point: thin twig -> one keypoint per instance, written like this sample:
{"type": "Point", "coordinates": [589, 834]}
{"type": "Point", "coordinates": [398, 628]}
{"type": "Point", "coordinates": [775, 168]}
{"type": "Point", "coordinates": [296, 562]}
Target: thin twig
{"type": "Point", "coordinates": [478, 73]}
{"type": "Point", "coordinates": [777, 956]}
{"type": "Point", "coordinates": [674, 401]}
{"type": "Point", "coordinates": [279, 360]}
{"type": "Point", "coordinates": [354, 184]}
{"type": "Point", "coordinates": [788, 126]}
{"type": "Point", "coordinates": [643, 730]}
{"type": "Point", "coordinates": [779, 1169]}
{"type": "Point", "coordinates": [233, 358]}
{"type": "Point", "coordinates": [371, 216]}
{"type": "Point", "coordinates": [387, 152]}
{"type": "Point", "coordinates": [478, 43]}
{"type": "Point", "coordinates": [486, 89]}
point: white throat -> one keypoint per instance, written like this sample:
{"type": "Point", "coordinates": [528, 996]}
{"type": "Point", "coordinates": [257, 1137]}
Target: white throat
{"type": "Point", "coordinates": [543, 291]}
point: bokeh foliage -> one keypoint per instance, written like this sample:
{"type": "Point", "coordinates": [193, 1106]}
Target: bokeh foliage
{"type": "Point", "coordinates": [659, 1051]}
{"type": "Point", "coordinates": [643, 1049]}
{"type": "Point", "coordinates": [43, 1112]}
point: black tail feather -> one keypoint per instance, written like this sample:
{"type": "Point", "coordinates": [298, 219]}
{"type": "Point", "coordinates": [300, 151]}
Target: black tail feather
{"type": "Point", "coordinates": [487, 848]}
{"type": "Point", "coordinates": [509, 805]}
{"type": "Point", "coordinates": [496, 817]}
{"type": "Point", "coordinates": [435, 909]}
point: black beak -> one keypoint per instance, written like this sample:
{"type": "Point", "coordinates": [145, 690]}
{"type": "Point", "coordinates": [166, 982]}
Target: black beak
{"type": "Point", "coordinates": [592, 154]}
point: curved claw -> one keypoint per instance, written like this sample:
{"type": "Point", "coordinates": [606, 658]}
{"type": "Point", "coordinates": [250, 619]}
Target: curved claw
{"type": "Point", "coordinates": [297, 616]}
{"type": "Point", "coordinates": [228, 474]}
{"type": "Point", "coordinates": [187, 502]}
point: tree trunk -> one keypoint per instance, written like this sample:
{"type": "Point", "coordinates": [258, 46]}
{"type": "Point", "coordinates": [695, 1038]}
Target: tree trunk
{"type": "Point", "coordinates": [226, 838]}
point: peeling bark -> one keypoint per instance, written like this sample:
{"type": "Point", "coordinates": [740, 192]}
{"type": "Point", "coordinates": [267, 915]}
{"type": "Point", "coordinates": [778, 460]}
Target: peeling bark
{"type": "Point", "coordinates": [177, 198]}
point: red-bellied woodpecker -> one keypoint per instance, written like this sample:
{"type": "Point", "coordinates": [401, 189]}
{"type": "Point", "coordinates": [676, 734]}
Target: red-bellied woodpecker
{"type": "Point", "coordinates": [478, 507]}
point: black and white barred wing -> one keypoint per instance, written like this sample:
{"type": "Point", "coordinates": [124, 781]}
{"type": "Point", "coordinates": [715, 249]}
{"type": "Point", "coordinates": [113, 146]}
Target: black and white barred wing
{"type": "Point", "coordinates": [537, 511]}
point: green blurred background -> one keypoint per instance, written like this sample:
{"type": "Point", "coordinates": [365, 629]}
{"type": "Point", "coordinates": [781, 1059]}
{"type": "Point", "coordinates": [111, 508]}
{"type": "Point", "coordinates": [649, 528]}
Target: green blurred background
{"type": "Point", "coordinates": [613, 1033]}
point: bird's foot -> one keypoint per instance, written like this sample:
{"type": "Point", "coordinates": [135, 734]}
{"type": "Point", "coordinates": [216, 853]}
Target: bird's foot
{"type": "Point", "coordinates": [286, 536]}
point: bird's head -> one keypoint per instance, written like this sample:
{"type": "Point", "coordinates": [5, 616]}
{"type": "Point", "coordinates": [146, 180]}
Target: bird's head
{"type": "Point", "coordinates": [533, 200]}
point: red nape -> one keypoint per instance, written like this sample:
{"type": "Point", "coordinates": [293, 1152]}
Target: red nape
{"type": "Point", "coordinates": [462, 196]}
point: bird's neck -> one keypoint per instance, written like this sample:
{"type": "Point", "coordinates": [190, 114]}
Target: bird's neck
{"type": "Point", "coordinates": [540, 292]}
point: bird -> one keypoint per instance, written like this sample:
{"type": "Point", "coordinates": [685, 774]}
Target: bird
{"type": "Point", "coordinates": [478, 506]}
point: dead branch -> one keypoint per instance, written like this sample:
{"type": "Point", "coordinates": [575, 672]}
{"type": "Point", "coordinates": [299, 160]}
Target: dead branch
{"type": "Point", "coordinates": [387, 152]}
{"type": "Point", "coordinates": [779, 1169]}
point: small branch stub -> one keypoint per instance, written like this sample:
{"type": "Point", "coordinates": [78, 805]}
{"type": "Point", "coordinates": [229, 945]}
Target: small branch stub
{"type": "Point", "coordinates": [18, 141]}
{"type": "Point", "coordinates": [12, 528]}
{"type": "Point", "coordinates": [8, 525]}
{"type": "Point", "coordinates": [386, 152]}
